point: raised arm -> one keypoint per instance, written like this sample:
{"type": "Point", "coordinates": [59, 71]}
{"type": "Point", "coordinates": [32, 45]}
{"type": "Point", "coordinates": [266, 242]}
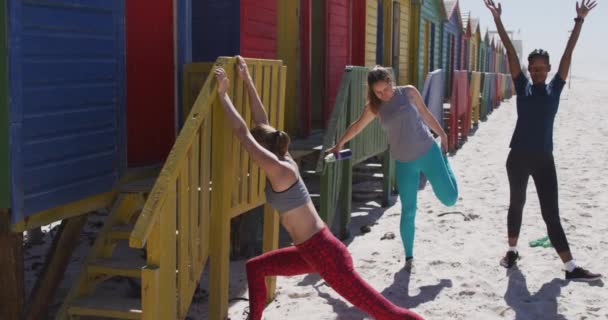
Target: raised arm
{"type": "Point", "coordinates": [364, 119]}
{"type": "Point", "coordinates": [514, 65]}
{"type": "Point", "coordinates": [264, 158]}
{"type": "Point", "coordinates": [581, 13]}
{"type": "Point", "coordinates": [255, 103]}
{"type": "Point", "coordinates": [426, 115]}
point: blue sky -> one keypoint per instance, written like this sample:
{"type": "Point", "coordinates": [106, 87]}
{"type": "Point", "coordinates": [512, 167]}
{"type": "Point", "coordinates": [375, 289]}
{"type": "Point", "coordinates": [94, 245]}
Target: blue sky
{"type": "Point", "coordinates": [545, 24]}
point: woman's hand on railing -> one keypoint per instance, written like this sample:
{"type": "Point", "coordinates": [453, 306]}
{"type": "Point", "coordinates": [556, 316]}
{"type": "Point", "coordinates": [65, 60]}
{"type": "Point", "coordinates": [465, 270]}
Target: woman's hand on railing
{"type": "Point", "coordinates": [334, 149]}
{"type": "Point", "coordinates": [222, 81]}
{"type": "Point", "coordinates": [241, 66]}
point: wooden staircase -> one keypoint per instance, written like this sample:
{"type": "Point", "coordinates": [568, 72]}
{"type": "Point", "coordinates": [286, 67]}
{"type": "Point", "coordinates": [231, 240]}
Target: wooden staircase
{"type": "Point", "coordinates": [111, 257]}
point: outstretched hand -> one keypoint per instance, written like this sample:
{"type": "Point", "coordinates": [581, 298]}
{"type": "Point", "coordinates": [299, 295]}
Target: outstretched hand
{"type": "Point", "coordinates": [494, 9]}
{"type": "Point", "coordinates": [241, 66]}
{"type": "Point", "coordinates": [583, 9]}
{"type": "Point", "coordinates": [222, 81]}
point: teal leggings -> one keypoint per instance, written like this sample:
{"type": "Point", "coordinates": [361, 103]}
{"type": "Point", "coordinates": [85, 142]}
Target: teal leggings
{"type": "Point", "coordinates": [436, 168]}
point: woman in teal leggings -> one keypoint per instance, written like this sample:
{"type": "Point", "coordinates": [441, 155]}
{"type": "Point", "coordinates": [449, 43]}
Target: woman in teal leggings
{"type": "Point", "coordinates": [406, 121]}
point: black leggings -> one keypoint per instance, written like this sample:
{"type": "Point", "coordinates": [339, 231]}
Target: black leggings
{"type": "Point", "coordinates": [541, 166]}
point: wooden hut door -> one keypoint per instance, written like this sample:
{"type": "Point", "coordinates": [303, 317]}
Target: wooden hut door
{"type": "Point", "coordinates": [150, 81]}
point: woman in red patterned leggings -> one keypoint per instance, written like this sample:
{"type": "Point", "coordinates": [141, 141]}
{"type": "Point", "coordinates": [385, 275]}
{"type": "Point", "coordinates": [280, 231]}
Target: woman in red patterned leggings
{"type": "Point", "coordinates": [316, 249]}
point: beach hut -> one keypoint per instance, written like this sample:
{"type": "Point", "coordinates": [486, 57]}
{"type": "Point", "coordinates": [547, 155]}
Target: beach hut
{"type": "Point", "coordinates": [459, 117]}
{"type": "Point", "coordinates": [492, 56]}
{"type": "Point", "coordinates": [474, 45]}
{"type": "Point", "coordinates": [452, 33]}
{"type": "Point", "coordinates": [465, 41]}
{"type": "Point", "coordinates": [430, 33]}
{"type": "Point", "coordinates": [483, 52]}
{"type": "Point", "coordinates": [480, 52]}
{"type": "Point", "coordinates": [63, 111]}
{"type": "Point", "coordinates": [91, 92]}
{"type": "Point", "coordinates": [474, 99]}
{"type": "Point", "coordinates": [89, 89]}
{"type": "Point", "coordinates": [499, 58]}
{"type": "Point", "coordinates": [504, 61]}
{"type": "Point", "coordinates": [496, 61]}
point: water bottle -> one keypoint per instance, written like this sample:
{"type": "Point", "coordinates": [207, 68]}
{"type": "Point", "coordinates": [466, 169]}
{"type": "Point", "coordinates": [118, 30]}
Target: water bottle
{"type": "Point", "coordinates": [343, 154]}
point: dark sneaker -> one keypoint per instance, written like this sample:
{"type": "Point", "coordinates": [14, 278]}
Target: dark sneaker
{"type": "Point", "coordinates": [409, 264]}
{"type": "Point", "coordinates": [509, 259]}
{"type": "Point", "coordinates": [580, 274]}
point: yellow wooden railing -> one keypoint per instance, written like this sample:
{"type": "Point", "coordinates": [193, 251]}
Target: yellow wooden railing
{"type": "Point", "coordinates": [207, 179]}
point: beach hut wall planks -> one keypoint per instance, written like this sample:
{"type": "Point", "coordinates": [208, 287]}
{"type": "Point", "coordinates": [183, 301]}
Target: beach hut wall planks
{"type": "Point", "coordinates": [465, 41]}
{"type": "Point", "coordinates": [258, 28]}
{"type": "Point", "coordinates": [150, 81]}
{"type": "Point", "coordinates": [231, 27]}
{"type": "Point", "coordinates": [331, 47]}
{"type": "Point", "coordinates": [294, 48]}
{"type": "Point", "coordinates": [216, 29]}
{"type": "Point", "coordinates": [394, 19]}
{"type": "Point", "coordinates": [452, 33]}
{"type": "Point", "coordinates": [337, 51]}
{"type": "Point", "coordinates": [474, 45]}
{"type": "Point", "coordinates": [4, 138]}
{"type": "Point", "coordinates": [483, 53]}
{"type": "Point", "coordinates": [365, 20]}
{"type": "Point", "coordinates": [381, 35]}
{"type": "Point", "coordinates": [66, 102]}
{"type": "Point", "coordinates": [432, 17]}
{"type": "Point", "coordinates": [403, 40]}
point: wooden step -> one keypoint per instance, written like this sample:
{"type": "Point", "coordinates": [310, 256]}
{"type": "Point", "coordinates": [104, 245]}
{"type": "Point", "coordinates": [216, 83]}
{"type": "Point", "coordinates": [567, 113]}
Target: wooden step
{"type": "Point", "coordinates": [138, 186]}
{"type": "Point", "coordinates": [369, 167]}
{"type": "Point", "coordinates": [129, 267]}
{"type": "Point", "coordinates": [120, 232]}
{"type": "Point", "coordinates": [106, 306]}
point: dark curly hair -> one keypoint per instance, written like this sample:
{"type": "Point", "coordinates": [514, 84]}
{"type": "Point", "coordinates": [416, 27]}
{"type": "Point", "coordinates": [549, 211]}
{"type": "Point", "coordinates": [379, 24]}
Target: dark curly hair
{"type": "Point", "coordinates": [538, 53]}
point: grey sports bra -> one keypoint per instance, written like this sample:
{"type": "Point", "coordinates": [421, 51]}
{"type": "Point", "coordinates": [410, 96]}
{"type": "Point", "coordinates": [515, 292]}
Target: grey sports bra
{"type": "Point", "coordinates": [291, 198]}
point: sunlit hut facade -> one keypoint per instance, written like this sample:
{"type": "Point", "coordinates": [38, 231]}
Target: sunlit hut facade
{"type": "Point", "coordinates": [452, 34]}
{"type": "Point", "coordinates": [430, 16]}
{"type": "Point", "coordinates": [474, 41]}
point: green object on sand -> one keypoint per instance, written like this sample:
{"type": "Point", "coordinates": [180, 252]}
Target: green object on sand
{"type": "Point", "coordinates": [541, 242]}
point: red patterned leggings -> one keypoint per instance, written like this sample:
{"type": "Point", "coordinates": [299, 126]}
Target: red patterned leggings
{"type": "Point", "coordinates": [326, 255]}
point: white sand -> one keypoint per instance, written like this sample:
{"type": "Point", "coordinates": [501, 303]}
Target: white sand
{"type": "Point", "coordinates": [456, 273]}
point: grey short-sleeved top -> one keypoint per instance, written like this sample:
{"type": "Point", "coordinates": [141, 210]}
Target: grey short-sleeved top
{"type": "Point", "coordinates": [409, 138]}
